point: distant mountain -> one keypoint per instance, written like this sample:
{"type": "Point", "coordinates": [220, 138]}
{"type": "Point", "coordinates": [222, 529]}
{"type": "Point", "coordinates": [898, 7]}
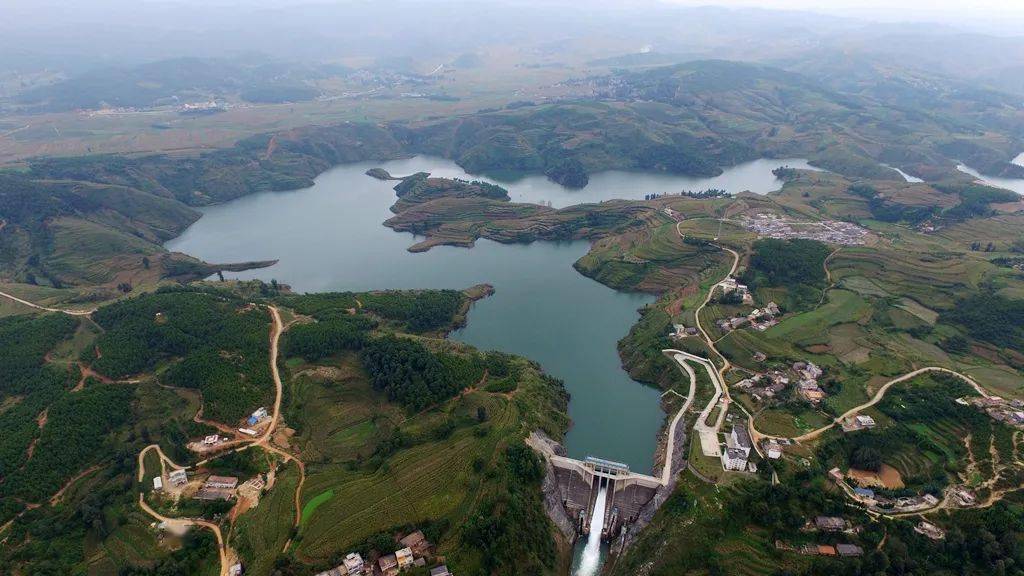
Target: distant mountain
{"type": "Point", "coordinates": [175, 81]}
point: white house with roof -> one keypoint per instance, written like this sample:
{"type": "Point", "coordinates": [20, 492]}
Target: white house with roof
{"type": "Point", "coordinates": [737, 447]}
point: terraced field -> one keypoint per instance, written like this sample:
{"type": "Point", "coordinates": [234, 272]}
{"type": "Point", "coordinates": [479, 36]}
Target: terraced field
{"type": "Point", "coordinates": [651, 260]}
{"type": "Point", "coordinates": [431, 481]}
{"type": "Point", "coordinates": [841, 306]}
{"type": "Point", "coordinates": [338, 415]}
{"type": "Point", "coordinates": [261, 533]}
{"type": "Point", "coordinates": [936, 278]}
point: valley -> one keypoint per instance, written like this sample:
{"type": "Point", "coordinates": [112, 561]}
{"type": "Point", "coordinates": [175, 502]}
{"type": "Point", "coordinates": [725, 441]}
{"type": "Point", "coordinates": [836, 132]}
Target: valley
{"type": "Point", "coordinates": [738, 284]}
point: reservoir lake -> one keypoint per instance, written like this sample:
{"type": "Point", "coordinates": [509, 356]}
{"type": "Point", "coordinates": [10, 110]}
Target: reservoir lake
{"type": "Point", "coordinates": [330, 237]}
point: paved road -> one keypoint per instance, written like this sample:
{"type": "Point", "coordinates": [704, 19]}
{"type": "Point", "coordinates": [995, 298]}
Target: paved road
{"type": "Point", "coordinates": [666, 473]}
{"type": "Point", "coordinates": [708, 434]}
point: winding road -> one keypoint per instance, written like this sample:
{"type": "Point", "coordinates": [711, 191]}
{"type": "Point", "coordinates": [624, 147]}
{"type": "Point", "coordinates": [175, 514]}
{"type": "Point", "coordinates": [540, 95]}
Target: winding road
{"type": "Point", "coordinates": [45, 308]}
{"type": "Point", "coordinates": [264, 441]}
{"type": "Point", "coordinates": [878, 396]}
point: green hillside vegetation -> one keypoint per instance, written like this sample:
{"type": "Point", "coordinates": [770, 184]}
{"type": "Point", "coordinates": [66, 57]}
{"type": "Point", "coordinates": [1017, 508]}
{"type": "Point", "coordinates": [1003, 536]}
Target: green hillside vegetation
{"type": "Point", "coordinates": [77, 447]}
{"type": "Point", "coordinates": [416, 311]}
{"type": "Point", "coordinates": [692, 118]}
{"type": "Point", "coordinates": [213, 344]}
{"type": "Point", "coordinates": [925, 440]}
{"type": "Point", "coordinates": [459, 220]}
{"type": "Point", "coordinates": [319, 340]}
{"type": "Point", "coordinates": [411, 375]}
{"type": "Point", "coordinates": [990, 318]}
{"type": "Point", "coordinates": [390, 445]}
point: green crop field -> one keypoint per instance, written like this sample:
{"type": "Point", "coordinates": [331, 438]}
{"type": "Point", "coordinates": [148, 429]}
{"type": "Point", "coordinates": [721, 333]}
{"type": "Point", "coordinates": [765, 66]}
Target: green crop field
{"type": "Point", "coordinates": [261, 533]}
{"type": "Point", "coordinates": [314, 503]}
{"type": "Point", "coordinates": [431, 481]}
{"type": "Point", "coordinates": [841, 306]}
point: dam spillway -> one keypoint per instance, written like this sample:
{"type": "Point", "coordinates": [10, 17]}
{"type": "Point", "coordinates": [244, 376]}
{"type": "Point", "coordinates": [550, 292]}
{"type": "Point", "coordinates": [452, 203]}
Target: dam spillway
{"type": "Point", "coordinates": [590, 561]}
{"type": "Point", "coordinates": [622, 494]}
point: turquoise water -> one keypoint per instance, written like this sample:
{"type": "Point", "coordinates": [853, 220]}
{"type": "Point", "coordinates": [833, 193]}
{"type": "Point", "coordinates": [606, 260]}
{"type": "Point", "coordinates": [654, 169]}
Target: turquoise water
{"type": "Point", "coordinates": [330, 237]}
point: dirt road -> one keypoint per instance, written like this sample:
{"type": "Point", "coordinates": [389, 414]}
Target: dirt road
{"type": "Point", "coordinates": [46, 308]}
{"type": "Point", "coordinates": [221, 548]}
{"type": "Point", "coordinates": [878, 396]}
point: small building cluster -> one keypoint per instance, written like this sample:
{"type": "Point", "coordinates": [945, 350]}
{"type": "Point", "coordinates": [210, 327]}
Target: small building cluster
{"type": "Point", "coordinates": [963, 496]}
{"type": "Point", "coordinates": [680, 331]}
{"type": "Point", "coordinates": [731, 286]}
{"type": "Point", "coordinates": [1010, 412]}
{"type": "Point", "coordinates": [882, 504]}
{"type": "Point", "coordinates": [178, 477]}
{"type": "Point", "coordinates": [759, 319]}
{"type": "Point", "coordinates": [840, 550]}
{"type": "Point", "coordinates": [830, 524]}
{"type": "Point", "coordinates": [767, 225]}
{"type": "Point", "coordinates": [736, 452]}
{"type": "Point", "coordinates": [218, 488]}
{"type": "Point", "coordinates": [773, 448]}
{"type": "Point", "coordinates": [258, 416]}
{"type": "Point", "coordinates": [807, 385]}
{"type": "Point", "coordinates": [351, 566]}
{"type": "Point", "coordinates": [415, 552]}
{"type": "Point", "coordinates": [769, 386]}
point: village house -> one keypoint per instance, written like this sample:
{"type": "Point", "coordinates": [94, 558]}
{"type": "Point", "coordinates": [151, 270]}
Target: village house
{"type": "Point", "coordinates": [218, 488]}
{"type": "Point", "coordinates": [235, 570]}
{"type": "Point", "coordinates": [859, 422]}
{"type": "Point", "coordinates": [441, 570]}
{"type": "Point", "coordinates": [680, 331]}
{"type": "Point", "coordinates": [826, 550]}
{"type": "Point", "coordinates": [354, 563]}
{"type": "Point", "coordinates": [257, 416]}
{"type": "Point", "coordinates": [930, 530]}
{"type": "Point", "coordinates": [416, 542]}
{"type": "Point", "coordinates": [773, 450]}
{"type": "Point", "coordinates": [211, 440]}
{"type": "Point", "coordinates": [849, 550]}
{"type": "Point", "coordinates": [830, 523]}
{"type": "Point", "coordinates": [836, 475]}
{"type": "Point", "coordinates": [864, 493]}
{"type": "Point", "coordinates": [728, 285]}
{"type": "Point", "coordinates": [404, 558]}
{"type": "Point", "coordinates": [178, 477]}
{"type": "Point", "coordinates": [158, 483]}
{"type": "Point", "coordinates": [738, 447]}
{"type": "Point", "coordinates": [810, 391]}
{"type": "Point", "coordinates": [388, 565]}
{"type": "Point", "coordinates": [963, 497]}
{"type": "Point", "coordinates": [229, 482]}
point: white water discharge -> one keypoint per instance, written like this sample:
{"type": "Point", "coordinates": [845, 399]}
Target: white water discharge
{"type": "Point", "coordinates": [590, 561]}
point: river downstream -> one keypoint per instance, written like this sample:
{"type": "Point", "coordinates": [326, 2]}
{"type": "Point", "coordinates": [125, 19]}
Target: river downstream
{"type": "Point", "coordinates": [330, 237]}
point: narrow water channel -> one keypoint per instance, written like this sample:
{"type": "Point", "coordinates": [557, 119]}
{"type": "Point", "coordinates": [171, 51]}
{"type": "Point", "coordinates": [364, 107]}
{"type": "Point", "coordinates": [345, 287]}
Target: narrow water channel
{"type": "Point", "coordinates": [330, 237]}
{"type": "Point", "coordinates": [1014, 184]}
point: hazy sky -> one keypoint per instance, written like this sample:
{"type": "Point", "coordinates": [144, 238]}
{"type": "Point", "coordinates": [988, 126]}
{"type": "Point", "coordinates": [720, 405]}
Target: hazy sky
{"type": "Point", "coordinates": [904, 8]}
